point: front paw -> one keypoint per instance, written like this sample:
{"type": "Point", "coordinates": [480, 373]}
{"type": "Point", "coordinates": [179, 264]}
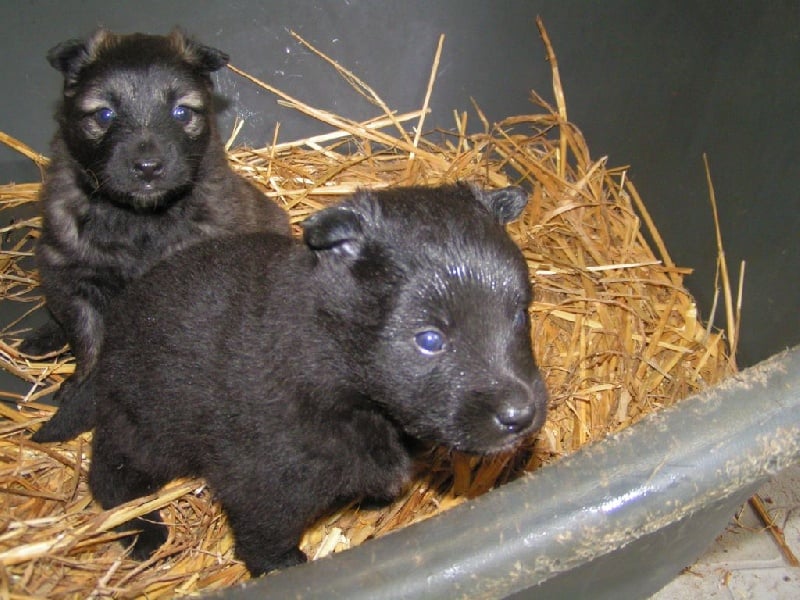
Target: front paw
{"type": "Point", "coordinates": [47, 339]}
{"type": "Point", "coordinates": [144, 542]}
{"type": "Point", "coordinates": [258, 566]}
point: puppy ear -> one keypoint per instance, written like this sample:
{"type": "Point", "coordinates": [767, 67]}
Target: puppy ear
{"type": "Point", "coordinates": [337, 228]}
{"type": "Point", "coordinates": [506, 204]}
{"type": "Point", "coordinates": [73, 55]}
{"type": "Point", "coordinates": [205, 58]}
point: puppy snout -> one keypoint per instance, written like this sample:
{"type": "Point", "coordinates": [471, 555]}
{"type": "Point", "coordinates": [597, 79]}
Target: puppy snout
{"type": "Point", "coordinates": [522, 408]}
{"type": "Point", "coordinates": [148, 169]}
{"type": "Point", "coordinates": [514, 419]}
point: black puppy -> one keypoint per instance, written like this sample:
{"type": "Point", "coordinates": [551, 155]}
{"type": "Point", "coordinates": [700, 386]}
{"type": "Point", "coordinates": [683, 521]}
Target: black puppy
{"type": "Point", "coordinates": [293, 376]}
{"type": "Point", "coordinates": [138, 172]}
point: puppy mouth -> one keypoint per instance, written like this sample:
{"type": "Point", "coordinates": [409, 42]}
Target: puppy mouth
{"type": "Point", "coordinates": [147, 196]}
{"type": "Point", "coordinates": [150, 189]}
{"type": "Point", "coordinates": [498, 445]}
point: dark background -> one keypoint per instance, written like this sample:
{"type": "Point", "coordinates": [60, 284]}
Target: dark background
{"type": "Point", "coordinates": [651, 85]}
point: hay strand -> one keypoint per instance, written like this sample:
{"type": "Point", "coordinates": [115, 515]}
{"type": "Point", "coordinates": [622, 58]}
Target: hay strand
{"type": "Point", "coordinates": [23, 149]}
{"type": "Point", "coordinates": [558, 91]}
{"type": "Point", "coordinates": [732, 315]}
{"type": "Point", "coordinates": [426, 102]}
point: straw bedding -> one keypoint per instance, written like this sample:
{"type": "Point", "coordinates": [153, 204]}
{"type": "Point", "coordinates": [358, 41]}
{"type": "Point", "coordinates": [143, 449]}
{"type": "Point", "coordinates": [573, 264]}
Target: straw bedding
{"type": "Point", "coordinates": [614, 330]}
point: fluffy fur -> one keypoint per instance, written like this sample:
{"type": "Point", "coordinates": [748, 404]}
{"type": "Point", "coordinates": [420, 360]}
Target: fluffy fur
{"type": "Point", "coordinates": [294, 375]}
{"type": "Point", "coordinates": [138, 172]}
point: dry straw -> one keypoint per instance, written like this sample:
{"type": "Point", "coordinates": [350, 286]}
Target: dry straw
{"type": "Point", "coordinates": [614, 330]}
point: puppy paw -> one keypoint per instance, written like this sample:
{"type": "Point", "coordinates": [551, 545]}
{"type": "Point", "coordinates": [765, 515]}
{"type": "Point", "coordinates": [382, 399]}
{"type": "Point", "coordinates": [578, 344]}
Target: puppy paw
{"type": "Point", "coordinates": [49, 432]}
{"type": "Point", "coordinates": [61, 428]}
{"type": "Point", "coordinates": [258, 566]}
{"type": "Point", "coordinates": [46, 339]}
{"type": "Point", "coordinates": [149, 538]}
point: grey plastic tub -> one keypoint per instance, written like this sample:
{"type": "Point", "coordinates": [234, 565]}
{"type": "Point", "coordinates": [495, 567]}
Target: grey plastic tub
{"type": "Point", "coordinates": [651, 85]}
{"type": "Point", "coordinates": [618, 519]}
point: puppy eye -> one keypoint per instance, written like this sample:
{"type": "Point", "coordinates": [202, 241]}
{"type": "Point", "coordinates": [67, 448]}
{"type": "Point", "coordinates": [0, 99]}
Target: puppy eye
{"type": "Point", "coordinates": [521, 317]}
{"type": "Point", "coordinates": [182, 114]}
{"type": "Point", "coordinates": [104, 117]}
{"type": "Point", "coordinates": [430, 341]}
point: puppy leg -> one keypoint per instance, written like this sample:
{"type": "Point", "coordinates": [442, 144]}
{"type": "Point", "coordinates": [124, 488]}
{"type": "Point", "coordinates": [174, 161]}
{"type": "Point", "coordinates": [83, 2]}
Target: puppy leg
{"type": "Point", "coordinates": [84, 327]}
{"type": "Point", "coordinates": [264, 542]}
{"type": "Point", "coordinates": [77, 297]}
{"type": "Point", "coordinates": [113, 481]}
{"type": "Point", "coordinates": [76, 412]}
{"type": "Point", "coordinates": [267, 524]}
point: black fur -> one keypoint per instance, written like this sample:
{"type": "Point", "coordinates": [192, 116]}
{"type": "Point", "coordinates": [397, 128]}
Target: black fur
{"type": "Point", "coordinates": [292, 376]}
{"type": "Point", "coordinates": [138, 172]}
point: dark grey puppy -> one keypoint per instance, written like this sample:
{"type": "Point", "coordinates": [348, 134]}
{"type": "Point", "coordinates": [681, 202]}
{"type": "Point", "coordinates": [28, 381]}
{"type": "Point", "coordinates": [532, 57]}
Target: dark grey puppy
{"type": "Point", "coordinates": [138, 172]}
{"type": "Point", "coordinates": [294, 376]}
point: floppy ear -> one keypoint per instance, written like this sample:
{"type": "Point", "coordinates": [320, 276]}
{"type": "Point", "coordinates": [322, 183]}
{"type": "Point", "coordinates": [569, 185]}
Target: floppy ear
{"type": "Point", "coordinates": [506, 204]}
{"type": "Point", "coordinates": [73, 55]}
{"type": "Point", "coordinates": [337, 228]}
{"type": "Point", "coordinates": [205, 58]}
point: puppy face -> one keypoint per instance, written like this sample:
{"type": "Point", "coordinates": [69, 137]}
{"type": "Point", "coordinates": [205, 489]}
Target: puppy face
{"type": "Point", "coordinates": [136, 113]}
{"type": "Point", "coordinates": [458, 340]}
{"type": "Point", "coordinates": [451, 359]}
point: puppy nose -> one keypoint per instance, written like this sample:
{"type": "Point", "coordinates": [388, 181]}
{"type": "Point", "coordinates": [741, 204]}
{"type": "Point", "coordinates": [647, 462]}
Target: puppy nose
{"type": "Point", "coordinates": [148, 169]}
{"type": "Point", "coordinates": [514, 419]}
